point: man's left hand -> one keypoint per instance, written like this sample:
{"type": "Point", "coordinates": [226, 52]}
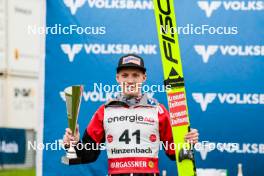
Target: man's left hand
{"type": "Point", "coordinates": [192, 137]}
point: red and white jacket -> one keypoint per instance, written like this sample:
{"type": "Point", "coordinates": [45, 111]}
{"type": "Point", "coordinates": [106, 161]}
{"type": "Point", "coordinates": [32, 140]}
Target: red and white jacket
{"type": "Point", "coordinates": [132, 135]}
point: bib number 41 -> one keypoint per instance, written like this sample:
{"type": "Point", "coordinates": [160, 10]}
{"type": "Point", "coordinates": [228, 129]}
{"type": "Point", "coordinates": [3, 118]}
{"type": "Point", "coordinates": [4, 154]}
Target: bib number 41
{"type": "Point", "coordinates": [125, 137]}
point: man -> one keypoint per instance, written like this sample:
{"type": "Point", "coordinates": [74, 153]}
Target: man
{"type": "Point", "coordinates": [131, 125]}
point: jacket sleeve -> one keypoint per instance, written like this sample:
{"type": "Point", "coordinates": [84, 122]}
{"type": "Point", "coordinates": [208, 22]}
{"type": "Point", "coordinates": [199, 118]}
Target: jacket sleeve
{"type": "Point", "coordinates": [92, 138]}
{"type": "Point", "coordinates": [165, 131]}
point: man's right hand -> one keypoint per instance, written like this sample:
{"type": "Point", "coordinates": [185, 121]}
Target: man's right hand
{"type": "Point", "coordinates": [68, 137]}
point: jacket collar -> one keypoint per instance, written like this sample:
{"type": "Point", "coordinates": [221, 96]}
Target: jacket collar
{"type": "Point", "coordinates": [122, 100]}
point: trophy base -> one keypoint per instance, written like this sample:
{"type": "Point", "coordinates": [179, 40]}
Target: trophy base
{"type": "Point", "coordinates": [70, 161]}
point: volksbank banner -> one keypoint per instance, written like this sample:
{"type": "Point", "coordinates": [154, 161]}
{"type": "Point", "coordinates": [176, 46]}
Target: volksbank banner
{"type": "Point", "coordinates": [12, 146]}
{"type": "Point", "coordinates": [221, 45]}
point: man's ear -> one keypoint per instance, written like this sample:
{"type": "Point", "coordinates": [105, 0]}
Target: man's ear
{"type": "Point", "coordinates": [117, 78]}
{"type": "Point", "coordinates": [145, 77]}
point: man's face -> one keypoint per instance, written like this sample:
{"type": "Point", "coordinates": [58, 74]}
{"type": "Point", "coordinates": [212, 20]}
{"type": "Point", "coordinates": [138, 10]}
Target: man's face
{"type": "Point", "coordinates": [131, 80]}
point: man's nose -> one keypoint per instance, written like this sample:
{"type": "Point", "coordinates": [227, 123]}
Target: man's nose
{"type": "Point", "coordinates": [130, 80]}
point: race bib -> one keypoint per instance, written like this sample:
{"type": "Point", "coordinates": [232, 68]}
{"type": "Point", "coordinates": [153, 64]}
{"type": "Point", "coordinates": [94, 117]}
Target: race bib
{"type": "Point", "coordinates": [132, 139]}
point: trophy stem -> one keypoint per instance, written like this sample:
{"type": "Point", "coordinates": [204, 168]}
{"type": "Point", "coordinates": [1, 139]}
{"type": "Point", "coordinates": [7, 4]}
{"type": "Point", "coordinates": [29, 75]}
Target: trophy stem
{"type": "Point", "coordinates": [71, 153]}
{"type": "Point", "coordinates": [71, 156]}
